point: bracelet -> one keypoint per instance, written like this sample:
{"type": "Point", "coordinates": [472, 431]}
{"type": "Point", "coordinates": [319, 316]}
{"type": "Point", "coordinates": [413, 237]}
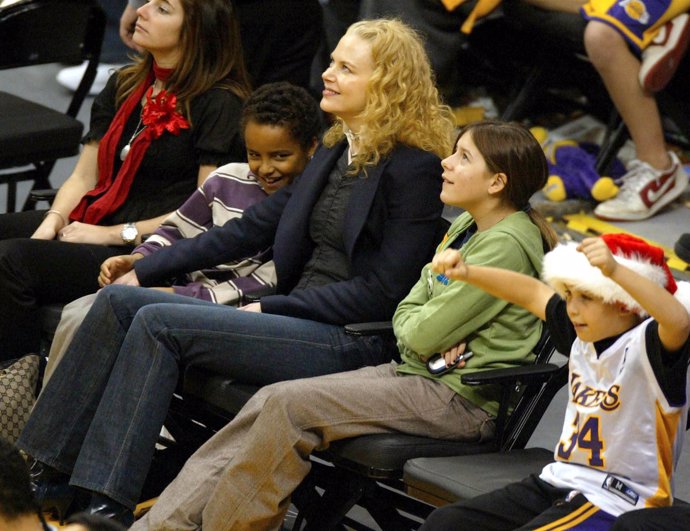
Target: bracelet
{"type": "Point", "coordinates": [53, 211]}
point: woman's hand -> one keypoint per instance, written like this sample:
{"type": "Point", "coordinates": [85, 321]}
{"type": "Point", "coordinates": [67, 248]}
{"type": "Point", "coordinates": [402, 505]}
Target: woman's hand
{"type": "Point", "coordinates": [453, 353]}
{"type": "Point", "coordinates": [116, 267]}
{"type": "Point", "coordinates": [49, 227]}
{"type": "Point", "coordinates": [599, 255]}
{"type": "Point", "coordinates": [44, 232]}
{"type": "Point", "coordinates": [78, 232]}
{"type": "Point", "coordinates": [127, 22]}
{"type": "Point", "coordinates": [449, 262]}
{"type": "Point", "coordinates": [252, 307]}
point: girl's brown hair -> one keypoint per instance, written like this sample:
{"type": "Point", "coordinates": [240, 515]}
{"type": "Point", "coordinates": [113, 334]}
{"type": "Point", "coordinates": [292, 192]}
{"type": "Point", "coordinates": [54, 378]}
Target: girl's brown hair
{"type": "Point", "coordinates": [211, 56]}
{"type": "Point", "coordinates": [511, 149]}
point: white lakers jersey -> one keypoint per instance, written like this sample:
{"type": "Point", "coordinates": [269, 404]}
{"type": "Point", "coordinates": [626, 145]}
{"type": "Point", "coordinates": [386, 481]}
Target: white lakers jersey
{"type": "Point", "coordinates": [621, 438]}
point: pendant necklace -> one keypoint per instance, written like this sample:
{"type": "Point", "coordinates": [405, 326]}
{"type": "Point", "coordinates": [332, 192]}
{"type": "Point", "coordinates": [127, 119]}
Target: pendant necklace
{"type": "Point", "coordinates": [137, 131]}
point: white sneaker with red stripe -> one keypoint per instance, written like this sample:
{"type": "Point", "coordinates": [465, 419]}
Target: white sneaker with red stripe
{"type": "Point", "coordinates": [644, 191]}
{"type": "Point", "coordinates": [661, 58]}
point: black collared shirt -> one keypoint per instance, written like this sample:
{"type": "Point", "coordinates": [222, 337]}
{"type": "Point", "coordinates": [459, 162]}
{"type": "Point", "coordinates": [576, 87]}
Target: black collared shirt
{"type": "Point", "coordinates": [329, 261]}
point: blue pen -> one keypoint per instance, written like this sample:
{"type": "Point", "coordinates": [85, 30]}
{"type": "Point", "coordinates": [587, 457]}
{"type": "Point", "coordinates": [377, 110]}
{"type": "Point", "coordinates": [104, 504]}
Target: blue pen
{"type": "Point", "coordinates": [443, 279]}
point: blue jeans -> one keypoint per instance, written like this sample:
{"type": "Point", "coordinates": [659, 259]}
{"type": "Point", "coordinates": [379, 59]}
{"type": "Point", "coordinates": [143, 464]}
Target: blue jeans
{"type": "Point", "coordinates": [99, 417]}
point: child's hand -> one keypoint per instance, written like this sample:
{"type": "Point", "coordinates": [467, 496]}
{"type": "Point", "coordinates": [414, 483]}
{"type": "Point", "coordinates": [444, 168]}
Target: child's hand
{"type": "Point", "coordinates": [599, 255]}
{"type": "Point", "coordinates": [115, 267]}
{"type": "Point", "coordinates": [449, 262]}
{"type": "Point", "coordinates": [454, 353]}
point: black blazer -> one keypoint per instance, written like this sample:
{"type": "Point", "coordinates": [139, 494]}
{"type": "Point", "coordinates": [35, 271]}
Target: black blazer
{"type": "Point", "coordinates": [390, 228]}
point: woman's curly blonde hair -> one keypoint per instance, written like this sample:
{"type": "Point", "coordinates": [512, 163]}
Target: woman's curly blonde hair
{"type": "Point", "coordinates": [402, 102]}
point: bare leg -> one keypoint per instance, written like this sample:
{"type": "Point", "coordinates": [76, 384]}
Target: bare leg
{"type": "Point", "coordinates": [619, 69]}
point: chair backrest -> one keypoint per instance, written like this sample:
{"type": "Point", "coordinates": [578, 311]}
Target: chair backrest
{"type": "Point", "coordinates": [34, 32]}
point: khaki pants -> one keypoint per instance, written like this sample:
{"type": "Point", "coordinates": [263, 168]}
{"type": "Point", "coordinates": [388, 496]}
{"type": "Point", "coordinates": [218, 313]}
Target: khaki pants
{"type": "Point", "coordinates": [72, 316]}
{"type": "Point", "coordinates": [242, 478]}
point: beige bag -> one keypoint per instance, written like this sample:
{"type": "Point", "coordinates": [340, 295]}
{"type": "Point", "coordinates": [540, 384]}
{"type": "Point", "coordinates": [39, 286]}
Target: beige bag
{"type": "Point", "coordinates": [17, 395]}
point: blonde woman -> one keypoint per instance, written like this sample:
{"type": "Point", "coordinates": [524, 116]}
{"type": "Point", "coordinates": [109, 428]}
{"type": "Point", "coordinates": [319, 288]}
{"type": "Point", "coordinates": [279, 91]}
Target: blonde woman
{"type": "Point", "coordinates": [349, 237]}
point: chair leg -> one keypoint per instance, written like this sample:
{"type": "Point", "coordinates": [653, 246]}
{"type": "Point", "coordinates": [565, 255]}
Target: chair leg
{"type": "Point", "coordinates": [11, 196]}
{"type": "Point", "coordinates": [610, 147]}
{"type": "Point", "coordinates": [38, 175]}
{"type": "Point", "coordinates": [391, 507]}
{"type": "Point", "coordinates": [40, 182]}
{"type": "Point", "coordinates": [675, 110]}
{"type": "Point", "coordinates": [334, 504]}
{"type": "Point", "coordinates": [341, 492]}
{"type": "Point", "coordinates": [520, 103]}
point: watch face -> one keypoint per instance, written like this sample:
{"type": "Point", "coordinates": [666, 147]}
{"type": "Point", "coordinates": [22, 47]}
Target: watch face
{"type": "Point", "coordinates": [129, 234]}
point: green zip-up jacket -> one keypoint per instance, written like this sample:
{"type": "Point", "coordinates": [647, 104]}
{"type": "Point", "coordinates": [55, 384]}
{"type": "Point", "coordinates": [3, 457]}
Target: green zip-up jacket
{"type": "Point", "coordinates": [439, 313]}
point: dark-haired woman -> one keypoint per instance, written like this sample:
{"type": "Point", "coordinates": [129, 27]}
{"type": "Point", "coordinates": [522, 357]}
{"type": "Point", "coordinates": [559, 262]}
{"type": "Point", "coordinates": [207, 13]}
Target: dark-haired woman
{"type": "Point", "coordinates": [280, 125]}
{"type": "Point", "coordinates": [279, 37]}
{"type": "Point", "coordinates": [157, 130]}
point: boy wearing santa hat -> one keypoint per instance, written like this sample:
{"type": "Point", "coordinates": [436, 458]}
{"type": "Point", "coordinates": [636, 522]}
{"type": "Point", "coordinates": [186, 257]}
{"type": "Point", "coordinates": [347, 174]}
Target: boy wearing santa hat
{"type": "Point", "coordinates": [612, 303]}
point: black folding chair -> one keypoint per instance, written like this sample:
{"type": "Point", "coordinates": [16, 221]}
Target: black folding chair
{"type": "Point", "coordinates": [368, 471]}
{"type": "Point", "coordinates": [35, 32]}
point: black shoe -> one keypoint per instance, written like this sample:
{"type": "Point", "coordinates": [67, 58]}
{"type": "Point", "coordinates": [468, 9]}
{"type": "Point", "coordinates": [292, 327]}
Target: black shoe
{"type": "Point", "coordinates": [108, 508]}
{"type": "Point", "coordinates": [682, 247]}
{"type": "Point", "coordinates": [52, 489]}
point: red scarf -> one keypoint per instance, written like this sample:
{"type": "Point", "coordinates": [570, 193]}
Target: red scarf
{"type": "Point", "coordinates": [159, 115]}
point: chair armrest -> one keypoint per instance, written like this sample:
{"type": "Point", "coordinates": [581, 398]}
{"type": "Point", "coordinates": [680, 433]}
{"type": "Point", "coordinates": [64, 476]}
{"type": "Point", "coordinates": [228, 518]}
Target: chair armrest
{"type": "Point", "coordinates": [47, 194]}
{"type": "Point", "coordinates": [511, 380]}
{"type": "Point", "coordinates": [375, 328]}
{"type": "Point", "coordinates": [526, 374]}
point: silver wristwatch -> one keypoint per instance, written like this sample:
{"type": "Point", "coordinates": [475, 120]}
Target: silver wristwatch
{"type": "Point", "coordinates": [129, 233]}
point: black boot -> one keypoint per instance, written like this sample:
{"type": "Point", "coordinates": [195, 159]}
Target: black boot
{"type": "Point", "coordinates": [51, 489]}
{"type": "Point", "coordinates": [108, 508]}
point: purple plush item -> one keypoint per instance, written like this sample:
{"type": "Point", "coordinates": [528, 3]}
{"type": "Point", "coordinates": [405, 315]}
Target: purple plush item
{"type": "Point", "coordinates": [574, 165]}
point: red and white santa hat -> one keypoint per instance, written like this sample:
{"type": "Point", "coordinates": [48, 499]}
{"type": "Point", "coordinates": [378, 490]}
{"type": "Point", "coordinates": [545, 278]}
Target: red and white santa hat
{"type": "Point", "coordinates": [566, 266]}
